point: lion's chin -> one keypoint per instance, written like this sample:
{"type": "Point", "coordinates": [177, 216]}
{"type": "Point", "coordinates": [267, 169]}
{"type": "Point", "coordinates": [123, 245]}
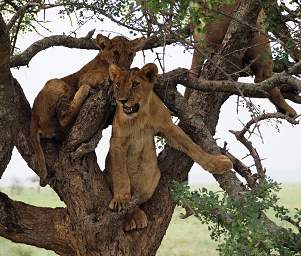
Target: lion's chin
{"type": "Point", "coordinates": [131, 110]}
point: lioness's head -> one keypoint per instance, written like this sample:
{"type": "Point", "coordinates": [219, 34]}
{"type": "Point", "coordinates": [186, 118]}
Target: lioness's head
{"type": "Point", "coordinates": [119, 50]}
{"type": "Point", "coordinates": [133, 88]}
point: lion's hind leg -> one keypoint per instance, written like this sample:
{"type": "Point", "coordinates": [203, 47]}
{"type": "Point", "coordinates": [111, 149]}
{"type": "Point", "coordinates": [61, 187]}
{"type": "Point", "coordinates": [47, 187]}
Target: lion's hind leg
{"type": "Point", "coordinates": [135, 220]}
{"type": "Point", "coordinates": [281, 105]}
{"type": "Point", "coordinates": [263, 69]}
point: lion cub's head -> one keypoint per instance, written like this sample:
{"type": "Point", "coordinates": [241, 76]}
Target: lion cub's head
{"type": "Point", "coordinates": [133, 88]}
{"type": "Point", "coordinates": [119, 50]}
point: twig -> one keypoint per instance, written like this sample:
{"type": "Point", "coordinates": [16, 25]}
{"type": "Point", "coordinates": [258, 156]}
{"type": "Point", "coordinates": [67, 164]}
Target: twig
{"type": "Point", "coordinates": [264, 117]}
{"type": "Point", "coordinates": [253, 153]}
{"type": "Point", "coordinates": [19, 14]}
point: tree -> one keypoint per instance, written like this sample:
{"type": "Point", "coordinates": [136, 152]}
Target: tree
{"type": "Point", "coordinates": [86, 226]}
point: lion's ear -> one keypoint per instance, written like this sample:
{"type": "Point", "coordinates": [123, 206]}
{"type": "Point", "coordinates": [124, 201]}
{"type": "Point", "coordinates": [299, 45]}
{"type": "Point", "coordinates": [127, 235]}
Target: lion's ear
{"type": "Point", "coordinates": [114, 71]}
{"type": "Point", "coordinates": [137, 44]}
{"type": "Point", "coordinates": [103, 41]}
{"type": "Point", "coordinates": [150, 71]}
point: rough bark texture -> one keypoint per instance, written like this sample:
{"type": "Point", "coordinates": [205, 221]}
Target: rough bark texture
{"type": "Point", "coordinates": [8, 116]}
{"type": "Point", "coordinates": [86, 227]}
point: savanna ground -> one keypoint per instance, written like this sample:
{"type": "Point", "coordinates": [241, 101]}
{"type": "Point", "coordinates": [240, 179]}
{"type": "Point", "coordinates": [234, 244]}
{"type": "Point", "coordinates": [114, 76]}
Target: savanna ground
{"type": "Point", "coordinates": [183, 238]}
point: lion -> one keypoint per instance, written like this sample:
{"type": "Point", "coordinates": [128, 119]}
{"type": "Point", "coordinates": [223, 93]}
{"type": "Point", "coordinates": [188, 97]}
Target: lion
{"type": "Point", "coordinates": [60, 100]}
{"type": "Point", "coordinates": [132, 161]}
{"type": "Point", "coordinates": [258, 54]}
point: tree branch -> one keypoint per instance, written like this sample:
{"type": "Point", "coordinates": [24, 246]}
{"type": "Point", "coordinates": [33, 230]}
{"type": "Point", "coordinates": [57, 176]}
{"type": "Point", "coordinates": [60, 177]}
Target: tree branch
{"type": "Point", "coordinates": [242, 169]}
{"type": "Point", "coordinates": [265, 116]}
{"type": "Point", "coordinates": [86, 42]}
{"type": "Point", "coordinates": [182, 76]}
{"type": "Point", "coordinates": [23, 223]}
{"type": "Point", "coordinates": [47, 42]}
{"type": "Point", "coordinates": [20, 13]}
{"type": "Point", "coordinates": [248, 144]}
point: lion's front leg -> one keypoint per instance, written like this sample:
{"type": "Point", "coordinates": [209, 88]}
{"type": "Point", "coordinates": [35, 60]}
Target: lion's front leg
{"type": "Point", "coordinates": [67, 116]}
{"type": "Point", "coordinates": [120, 178]}
{"type": "Point", "coordinates": [178, 139]}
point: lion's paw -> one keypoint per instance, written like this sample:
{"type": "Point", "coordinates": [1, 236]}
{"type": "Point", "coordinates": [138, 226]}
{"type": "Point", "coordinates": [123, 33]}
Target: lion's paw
{"type": "Point", "coordinates": [136, 220]}
{"type": "Point", "coordinates": [119, 201]}
{"type": "Point", "coordinates": [82, 94]}
{"type": "Point", "coordinates": [85, 89]}
{"type": "Point", "coordinates": [219, 164]}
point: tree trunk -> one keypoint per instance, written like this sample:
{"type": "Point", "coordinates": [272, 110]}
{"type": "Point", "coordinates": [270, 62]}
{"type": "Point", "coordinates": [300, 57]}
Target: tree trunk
{"type": "Point", "coordinates": [7, 114]}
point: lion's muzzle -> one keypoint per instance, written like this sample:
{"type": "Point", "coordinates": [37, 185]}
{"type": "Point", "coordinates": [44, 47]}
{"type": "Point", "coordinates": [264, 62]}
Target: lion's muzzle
{"type": "Point", "coordinates": [131, 109]}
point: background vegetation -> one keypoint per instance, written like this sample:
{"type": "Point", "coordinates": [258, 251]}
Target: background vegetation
{"type": "Point", "coordinates": [183, 238]}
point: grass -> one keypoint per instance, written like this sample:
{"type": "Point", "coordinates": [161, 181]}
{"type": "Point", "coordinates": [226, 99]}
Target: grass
{"type": "Point", "coordinates": [183, 237]}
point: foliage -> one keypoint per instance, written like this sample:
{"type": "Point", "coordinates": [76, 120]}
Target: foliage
{"type": "Point", "coordinates": [239, 224]}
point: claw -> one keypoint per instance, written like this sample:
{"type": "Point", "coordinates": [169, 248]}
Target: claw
{"type": "Point", "coordinates": [118, 202]}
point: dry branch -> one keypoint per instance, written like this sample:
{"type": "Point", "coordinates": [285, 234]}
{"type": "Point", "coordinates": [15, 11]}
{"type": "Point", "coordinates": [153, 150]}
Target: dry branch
{"type": "Point", "coordinates": [248, 144]}
{"type": "Point", "coordinates": [253, 153]}
{"type": "Point", "coordinates": [265, 116]}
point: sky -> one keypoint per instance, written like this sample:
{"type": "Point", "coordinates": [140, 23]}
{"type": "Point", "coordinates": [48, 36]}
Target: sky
{"type": "Point", "coordinates": [280, 147]}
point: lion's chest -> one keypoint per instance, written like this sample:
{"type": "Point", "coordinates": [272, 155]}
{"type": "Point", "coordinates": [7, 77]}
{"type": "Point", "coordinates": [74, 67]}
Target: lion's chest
{"type": "Point", "coordinates": [141, 152]}
{"type": "Point", "coordinates": [139, 141]}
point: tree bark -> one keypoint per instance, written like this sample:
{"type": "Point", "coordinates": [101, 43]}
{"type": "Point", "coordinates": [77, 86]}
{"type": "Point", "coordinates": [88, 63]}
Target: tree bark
{"type": "Point", "coordinates": [8, 115]}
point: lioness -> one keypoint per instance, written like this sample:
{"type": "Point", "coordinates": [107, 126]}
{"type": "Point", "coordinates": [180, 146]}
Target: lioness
{"type": "Point", "coordinates": [140, 115]}
{"type": "Point", "coordinates": [259, 53]}
{"type": "Point", "coordinates": [59, 102]}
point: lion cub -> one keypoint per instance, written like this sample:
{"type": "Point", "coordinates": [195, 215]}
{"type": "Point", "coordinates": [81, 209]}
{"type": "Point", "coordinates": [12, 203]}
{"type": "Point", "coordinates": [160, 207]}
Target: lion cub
{"type": "Point", "coordinates": [59, 102]}
{"type": "Point", "coordinates": [258, 54]}
{"type": "Point", "coordinates": [132, 160]}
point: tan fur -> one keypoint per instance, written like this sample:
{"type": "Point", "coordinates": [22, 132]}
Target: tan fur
{"type": "Point", "coordinates": [261, 51]}
{"type": "Point", "coordinates": [132, 158]}
{"type": "Point", "coordinates": [59, 102]}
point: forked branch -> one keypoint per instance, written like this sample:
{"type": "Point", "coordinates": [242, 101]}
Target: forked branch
{"type": "Point", "coordinates": [39, 226]}
{"type": "Point", "coordinates": [240, 136]}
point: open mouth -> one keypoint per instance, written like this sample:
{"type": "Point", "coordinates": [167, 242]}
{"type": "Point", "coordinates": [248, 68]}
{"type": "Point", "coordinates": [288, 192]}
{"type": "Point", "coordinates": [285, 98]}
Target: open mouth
{"type": "Point", "coordinates": [130, 110]}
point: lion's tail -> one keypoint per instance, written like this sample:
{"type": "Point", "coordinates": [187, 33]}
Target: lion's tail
{"type": "Point", "coordinates": [39, 154]}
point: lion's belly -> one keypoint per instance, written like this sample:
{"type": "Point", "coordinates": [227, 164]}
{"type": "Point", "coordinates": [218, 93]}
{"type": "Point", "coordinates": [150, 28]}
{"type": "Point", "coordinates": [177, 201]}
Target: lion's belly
{"type": "Point", "coordinates": [142, 165]}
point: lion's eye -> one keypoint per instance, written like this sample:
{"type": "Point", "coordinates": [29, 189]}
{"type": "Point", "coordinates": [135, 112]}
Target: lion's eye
{"type": "Point", "coordinates": [135, 84]}
{"type": "Point", "coordinates": [117, 85]}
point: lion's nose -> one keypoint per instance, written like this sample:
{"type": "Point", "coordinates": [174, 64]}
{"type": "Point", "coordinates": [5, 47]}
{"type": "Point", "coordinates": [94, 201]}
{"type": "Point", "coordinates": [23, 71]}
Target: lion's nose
{"type": "Point", "coordinates": [123, 101]}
